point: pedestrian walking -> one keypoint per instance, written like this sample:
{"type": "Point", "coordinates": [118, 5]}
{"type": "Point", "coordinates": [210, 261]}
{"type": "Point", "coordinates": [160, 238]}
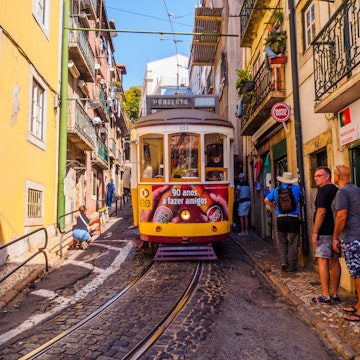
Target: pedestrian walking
{"type": "Point", "coordinates": [285, 199]}
{"type": "Point", "coordinates": [110, 193]}
{"type": "Point", "coordinates": [242, 196]}
{"type": "Point", "coordinates": [322, 237]}
{"type": "Point", "coordinates": [347, 231]}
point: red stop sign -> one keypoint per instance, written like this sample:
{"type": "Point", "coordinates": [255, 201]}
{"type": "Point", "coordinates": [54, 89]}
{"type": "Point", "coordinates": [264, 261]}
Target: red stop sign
{"type": "Point", "coordinates": [280, 112]}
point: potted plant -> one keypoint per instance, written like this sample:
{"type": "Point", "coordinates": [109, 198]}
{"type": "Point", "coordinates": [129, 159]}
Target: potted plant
{"type": "Point", "coordinates": [275, 42]}
{"type": "Point", "coordinates": [244, 82]}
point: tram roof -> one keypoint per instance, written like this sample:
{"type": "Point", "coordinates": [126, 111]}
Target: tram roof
{"type": "Point", "coordinates": [179, 116]}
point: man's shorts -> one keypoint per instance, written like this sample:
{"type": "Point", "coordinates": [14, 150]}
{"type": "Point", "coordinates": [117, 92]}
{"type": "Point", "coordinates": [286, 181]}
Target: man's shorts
{"type": "Point", "coordinates": [244, 208]}
{"type": "Point", "coordinates": [324, 250]}
{"type": "Point", "coordinates": [351, 253]}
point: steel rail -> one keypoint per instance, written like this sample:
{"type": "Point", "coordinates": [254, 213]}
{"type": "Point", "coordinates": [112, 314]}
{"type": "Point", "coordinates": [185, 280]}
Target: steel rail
{"type": "Point", "coordinates": [156, 332]}
{"type": "Point", "coordinates": [49, 344]}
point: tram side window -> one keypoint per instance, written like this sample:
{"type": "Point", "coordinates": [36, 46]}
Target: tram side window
{"type": "Point", "coordinates": [214, 170]}
{"type": "Point", "coordinates": [184, 156]}
{"type": "Point", "coordinates": [152, 157]}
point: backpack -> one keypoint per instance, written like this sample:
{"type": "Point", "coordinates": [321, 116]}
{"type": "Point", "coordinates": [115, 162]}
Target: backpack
{"type": "Point", "coordinates": [286, 200]}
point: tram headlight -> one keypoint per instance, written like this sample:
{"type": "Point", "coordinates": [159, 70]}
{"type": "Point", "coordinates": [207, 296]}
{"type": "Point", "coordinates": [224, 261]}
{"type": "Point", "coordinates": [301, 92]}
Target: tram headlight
{"type": "Point", "coordinates": [185, 215]}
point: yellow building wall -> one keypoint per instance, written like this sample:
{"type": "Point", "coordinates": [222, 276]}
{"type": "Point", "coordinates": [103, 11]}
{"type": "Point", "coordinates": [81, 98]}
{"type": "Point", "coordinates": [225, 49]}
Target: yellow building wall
{"type": "Point", "coordinates": [25, 50]}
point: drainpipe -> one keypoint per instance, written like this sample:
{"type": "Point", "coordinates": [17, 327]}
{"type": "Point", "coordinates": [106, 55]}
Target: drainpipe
{"type": "Point", "coordinates": [63, 112]}
{"type": "Point", "coordinates": [298, 131]}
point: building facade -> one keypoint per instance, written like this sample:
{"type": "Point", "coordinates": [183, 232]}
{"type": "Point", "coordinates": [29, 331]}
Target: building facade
{"type": "Point", "coordinates": [29, 93]}
{"type": "Point", "coordinates": [296, 88]}
{"type": "Point", "coordinates": [62, 104]}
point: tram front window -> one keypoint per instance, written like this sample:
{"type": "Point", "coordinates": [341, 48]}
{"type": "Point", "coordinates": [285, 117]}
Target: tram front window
{"type": "Point", "coordinates": [184, 156]}
{"type": "Point", "coordinates": [152, 157]}
{"type": "Point", "coordinates": [214, 170]}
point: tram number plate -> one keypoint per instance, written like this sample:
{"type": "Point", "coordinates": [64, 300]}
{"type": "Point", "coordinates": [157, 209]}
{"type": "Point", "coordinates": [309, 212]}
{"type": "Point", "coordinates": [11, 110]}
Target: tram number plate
{"type": "Point", "coordinates": [184, 128]}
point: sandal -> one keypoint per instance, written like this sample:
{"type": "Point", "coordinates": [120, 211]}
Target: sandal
{"type": "Point", "coordinates": [350, 309]}
{"type": "Point", "coordinates": [352, 317]}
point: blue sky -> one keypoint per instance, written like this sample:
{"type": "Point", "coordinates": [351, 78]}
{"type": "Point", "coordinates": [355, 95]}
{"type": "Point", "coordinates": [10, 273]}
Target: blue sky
{"type": "Point", "coordinates": [135, 50]}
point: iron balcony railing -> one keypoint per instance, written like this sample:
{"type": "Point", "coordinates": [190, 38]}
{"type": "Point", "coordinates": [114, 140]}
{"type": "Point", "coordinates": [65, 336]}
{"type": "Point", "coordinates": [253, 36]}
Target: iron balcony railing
{"type": "Point", "coordinates": [80, 38]}
{"type": "Point", "coordinates": [265, 83]}
{"type": "Point", "coordinates": [103, 151]}
{"type": "Point", "coordinates": [336, 49]}
{"type": "Point", "coordinates": [79, 123]}
{"type": "Point", "coordinates": [103, 99]}
{"type": "Point", "coordinates": [245, 13]}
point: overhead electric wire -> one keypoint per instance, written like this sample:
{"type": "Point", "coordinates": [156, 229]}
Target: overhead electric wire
{"type": "Point", "coordinates": [152, 17]}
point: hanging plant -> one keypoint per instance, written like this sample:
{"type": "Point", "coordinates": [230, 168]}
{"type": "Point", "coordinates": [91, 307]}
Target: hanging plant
{"type": "Point", "coordinates": [244, 82]}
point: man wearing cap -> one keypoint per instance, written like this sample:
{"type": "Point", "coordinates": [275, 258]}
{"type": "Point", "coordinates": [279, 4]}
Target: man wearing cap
{"type": "Point", "coordinates": [288, 224]}
{"type": "Point", "coordinates": [242, 196]}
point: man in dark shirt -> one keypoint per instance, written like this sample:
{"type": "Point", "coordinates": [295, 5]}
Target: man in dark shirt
{"type": "Point", "coordinates": [322, 237]}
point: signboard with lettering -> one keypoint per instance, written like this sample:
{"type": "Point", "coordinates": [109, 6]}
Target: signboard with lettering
{"type": "Point", "coordinates": [280, 112]}
{"type": "Point", "coordinates": [349, 124]}
{"type": "Point", "coordinates": [203, 102]}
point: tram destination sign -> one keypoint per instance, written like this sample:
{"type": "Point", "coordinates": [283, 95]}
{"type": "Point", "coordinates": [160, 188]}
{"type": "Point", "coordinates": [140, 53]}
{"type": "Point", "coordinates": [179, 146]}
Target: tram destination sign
{"type": "Point", "coordinates": [204, 102]}
{"type": "Point", "coordinates": [280, 112]}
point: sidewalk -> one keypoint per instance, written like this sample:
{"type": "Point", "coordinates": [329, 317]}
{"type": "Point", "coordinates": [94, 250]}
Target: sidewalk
{"type": "Point", "coordinates": [28, 273]}
{"type": "Point", "coordinates": [299, 288]}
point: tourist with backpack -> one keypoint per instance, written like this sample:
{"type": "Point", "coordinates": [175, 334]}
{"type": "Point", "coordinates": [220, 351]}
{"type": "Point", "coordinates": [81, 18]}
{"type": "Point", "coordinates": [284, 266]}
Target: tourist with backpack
{"type": "Point", "coordinates": [285, 199]}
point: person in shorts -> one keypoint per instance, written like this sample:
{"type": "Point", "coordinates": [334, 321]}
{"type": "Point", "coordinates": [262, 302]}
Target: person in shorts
{"type": "Point", "coordinates": [347, 231]}
{"type": "Point", "coordinates": [322, 237]}
{"type": "Point", "coordinates": [242, 196]}
{"type": "Point", "coordinates": [81, 231]}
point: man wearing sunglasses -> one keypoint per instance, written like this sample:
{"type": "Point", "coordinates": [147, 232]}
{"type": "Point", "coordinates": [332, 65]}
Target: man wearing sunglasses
{"type": "Point", "coordinates": [322, 237]}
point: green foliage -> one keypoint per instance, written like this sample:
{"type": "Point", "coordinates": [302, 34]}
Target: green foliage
{"type": "Point", "coordinates": [132, 102]}
{"type": "Point", "coordinates": [243, 77]}
{"type": "Point", "coordinates": [277, 41]}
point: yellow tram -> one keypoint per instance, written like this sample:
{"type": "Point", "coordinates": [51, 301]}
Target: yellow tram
{"type": "Point", "coordinates": [182, 180]}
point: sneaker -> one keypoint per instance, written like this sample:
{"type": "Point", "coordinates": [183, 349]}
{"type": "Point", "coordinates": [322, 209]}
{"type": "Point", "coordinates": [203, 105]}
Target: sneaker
{"type": "Point", "coordinates": [335, 297]}
{"type": "Point", "coordinates": [84, 245]}
{"type": "Point", "coordinates": [321, 299]}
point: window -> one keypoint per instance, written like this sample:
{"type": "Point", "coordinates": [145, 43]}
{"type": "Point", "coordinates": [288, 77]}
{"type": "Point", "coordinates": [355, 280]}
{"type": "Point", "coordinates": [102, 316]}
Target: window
{"type": "Point", "coordinates": [215, 170]}
{"type": "Point", "coordinates": [309, 25]}
{"type": "Point", "coordinates": [34, 203]}
{"type": "Point", "coordinates": [152, 158]}
{"type": "Point", "coordinates": [41, 14]}
{"type": "Point", "coordinates": [37, 112]}
{"type": "Point", "coordinates": [184, 155]}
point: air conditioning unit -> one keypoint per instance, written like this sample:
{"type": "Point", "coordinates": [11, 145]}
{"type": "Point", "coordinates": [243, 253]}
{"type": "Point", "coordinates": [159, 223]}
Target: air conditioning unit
{"type": "Point", "coordinates": [97, 121]}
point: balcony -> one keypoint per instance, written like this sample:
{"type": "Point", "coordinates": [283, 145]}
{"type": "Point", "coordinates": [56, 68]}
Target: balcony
{"type": "Point", "coordinates": [269, 88]}
{"type": "Point", "coordinates": [89, 7]}
{"type": "Point", "coordinates": [80, 129]}
{"type": "Point", "coordinates": [80, 52]}
{"type": "Point", "coordinates": [251, 14]}
{"type": "Point", "coordinates": [203, 48]}
{"type": "Point", "coordinates": [112, 148]}
{"type": "Point", "coordinates": [103, 108]}
{"type": "Point", "coordinates": [101, 159]}
{"type": "Point", "coordinates": [337, 60]}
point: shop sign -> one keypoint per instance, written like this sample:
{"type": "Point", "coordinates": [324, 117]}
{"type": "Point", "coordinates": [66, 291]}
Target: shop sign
{"type": "Point", "coordinates": [349, 125]}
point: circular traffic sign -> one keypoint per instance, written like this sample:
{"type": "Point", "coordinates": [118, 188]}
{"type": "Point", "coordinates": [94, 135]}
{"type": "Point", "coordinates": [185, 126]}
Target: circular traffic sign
{"type": "Point", "coordinates": [280, 112]}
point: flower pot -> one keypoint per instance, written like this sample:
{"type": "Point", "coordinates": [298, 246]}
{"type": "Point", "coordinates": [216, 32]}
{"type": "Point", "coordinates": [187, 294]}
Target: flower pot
{"type": "Point", "coordinates": [248, 86]}
{"type": "Point", "coordinates": [278, 60]}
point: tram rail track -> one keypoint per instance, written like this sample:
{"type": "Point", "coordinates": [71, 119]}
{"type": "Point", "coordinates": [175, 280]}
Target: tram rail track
{"type": "Point", "coordinates": [148, 340]}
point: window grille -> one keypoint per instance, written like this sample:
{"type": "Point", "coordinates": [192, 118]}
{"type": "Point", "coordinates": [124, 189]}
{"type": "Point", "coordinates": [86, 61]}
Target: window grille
{"type": "Point", "coordinates": [34, 204]}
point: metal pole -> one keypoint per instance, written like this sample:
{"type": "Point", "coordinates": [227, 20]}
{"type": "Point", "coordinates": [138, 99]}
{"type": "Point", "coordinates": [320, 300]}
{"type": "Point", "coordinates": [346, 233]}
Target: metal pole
{"type": "Point", "coordinates": [298, 130]}
{"type": "Point", "coordinates": [63, 111]}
